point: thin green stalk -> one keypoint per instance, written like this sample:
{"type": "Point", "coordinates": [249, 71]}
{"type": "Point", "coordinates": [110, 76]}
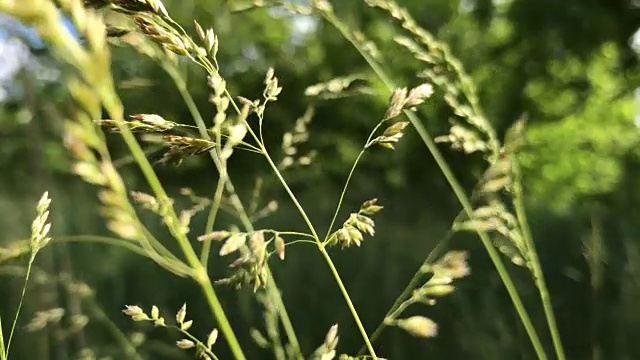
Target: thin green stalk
{"type": "Point", "coordinates": [457, 189]}
{"type": "Point", "coordinates": [24, 290]}
{"type": "Point", "coordinates": [298, 241]}
{"type": "Point", "coordinates": [211, 219]}
{"type": "Point", "coordinates": [352, 308]}
{"type": "Point", "coordinates": [274, 293]}
{"type": "Point", "coordinates": [538, 275]}
{"type": "Point", "coordinates": [3, 354]}
{"type": "Point", "coordinates": [344, 191]}
{"type": "Point", "coordinates": [115, 109]}
{"type": "Point", "coordinates": [294, 199]}
{"type": "Point", "coordinates": [223, 322]}
{"type": "Point", "coordinates": [294, 233]}
{"type": "Point", "coordinates": [155, 247]}
{"type": "Point", "coordinates": [196, 341]}
{"type": "Point", "coordinates": [127, 244]}
{"type": "Point", "coordinates": [235, 201]}
{"type": "Point", "coordinates": [391, 318]}
{"type": "Point", "coordinates": [322, 249]}
{"type": "Point", "coordinates": [346, 185]}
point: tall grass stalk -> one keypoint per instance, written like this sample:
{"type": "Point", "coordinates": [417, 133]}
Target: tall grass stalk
{"type": "Point", "coordinates": [39, 239]}
{"type": "Point", "coordinates": [538, 275]}
{"type": "Point", "coordinates": [15, 318]}
{"type": "Point", "coordinates": [3, 352]}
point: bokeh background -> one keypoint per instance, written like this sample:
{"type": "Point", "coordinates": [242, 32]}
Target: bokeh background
{"type": "Point", "coordinates": [571, 67]}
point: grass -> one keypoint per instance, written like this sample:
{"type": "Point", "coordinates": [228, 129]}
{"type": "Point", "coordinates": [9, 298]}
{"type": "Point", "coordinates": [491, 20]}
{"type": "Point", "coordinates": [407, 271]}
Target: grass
{"type": "Point", "coordinates": [495, 209]}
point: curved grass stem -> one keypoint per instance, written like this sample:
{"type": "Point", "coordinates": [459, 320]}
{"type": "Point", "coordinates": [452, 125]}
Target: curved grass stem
{"type": "Point", "coordinates": [344, 191]}
{"type": "Point", "coordinates": [346, 184]}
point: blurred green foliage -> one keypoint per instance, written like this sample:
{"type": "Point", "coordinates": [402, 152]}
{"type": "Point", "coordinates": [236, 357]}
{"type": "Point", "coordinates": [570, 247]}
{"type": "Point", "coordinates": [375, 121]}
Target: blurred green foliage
{"type": "Point", "coordinates": [565, 65]}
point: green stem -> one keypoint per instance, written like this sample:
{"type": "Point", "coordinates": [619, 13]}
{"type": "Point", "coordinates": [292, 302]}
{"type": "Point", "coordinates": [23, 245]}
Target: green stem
{"type": "Point", "coordinates": [538, 275]}
{"type": "Point", "coordinates": [3, 354]}
{"type": "Point", "coordinates": [211, 219]}
{"type": "Point", "coordinates": [352, 308]}
{"type": "Point", "coordinates": [391, 318]}
{"type": "Point", "coordinates": [177, 267]}
{"type": "Point", "coordinates": [301, 241]}
{"type": "Point", "coordinates": [295, 233]}
{"type": "Point", "coordinates": [457, 189]}
{"type": "Point", "coordinates": [195, 340]}
{"type": "Point", "coordinates": [326, 256]}
{"type": "Point", "coordinates": [346, 185]}
{"type": "Point", "coordinates": [115, 109]}
{"type": "Point", "coordinates": [127, 244]}
{"type": "Point", "coordinates": [24, 290]}
{"type": "Point", "coordinates": [223, 322]}
{"type": "Point", "coordinates": [344, 191]}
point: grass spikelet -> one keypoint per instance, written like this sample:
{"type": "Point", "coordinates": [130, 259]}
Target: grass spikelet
{"type": "Point", "coordinates": [179, 148]}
